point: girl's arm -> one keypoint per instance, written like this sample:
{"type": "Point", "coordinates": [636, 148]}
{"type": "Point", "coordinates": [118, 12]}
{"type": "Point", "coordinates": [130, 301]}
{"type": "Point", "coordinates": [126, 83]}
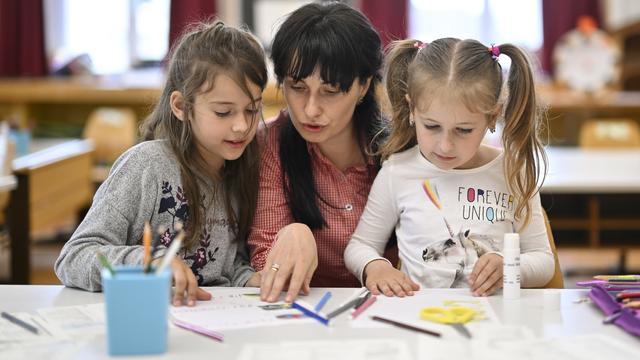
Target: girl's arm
{"type": "Point", "coordinates": [536, 260]}
{"type": "Point", "coordinates": [113, 226]}
{"type": "Point", "coordinates": [378, 220]}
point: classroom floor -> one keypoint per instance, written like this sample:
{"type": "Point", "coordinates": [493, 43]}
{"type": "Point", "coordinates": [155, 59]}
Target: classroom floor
{"type": "Point", "coordinates": [577, 264]}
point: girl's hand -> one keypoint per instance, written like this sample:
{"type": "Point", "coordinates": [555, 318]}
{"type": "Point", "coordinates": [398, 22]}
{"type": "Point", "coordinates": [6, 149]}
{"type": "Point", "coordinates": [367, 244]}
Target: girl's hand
{"type": "Point", "coordinates": [292, 260]}
{"type": "Point", "coordinates": [486, 276]}
{"type": "Point", "coordinates": [381, 277]}
{"type": "Point", "coordinates": [185, 281]}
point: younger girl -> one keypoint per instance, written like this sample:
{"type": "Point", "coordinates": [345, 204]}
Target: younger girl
{"type": "Point", "coordinates": [198, 167]}
{"type": "Point", "coordinates": [449, 197]}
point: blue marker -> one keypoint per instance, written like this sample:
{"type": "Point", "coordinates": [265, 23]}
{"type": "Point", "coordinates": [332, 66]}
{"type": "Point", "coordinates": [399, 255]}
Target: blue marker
{"type": "Point", "coordinates": [306, 309]}
{"type": "Point", "coordinates": [323, 301]}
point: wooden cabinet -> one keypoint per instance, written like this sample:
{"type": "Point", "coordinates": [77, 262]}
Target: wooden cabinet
{"type": "Point", "coordinates": [53, 184]}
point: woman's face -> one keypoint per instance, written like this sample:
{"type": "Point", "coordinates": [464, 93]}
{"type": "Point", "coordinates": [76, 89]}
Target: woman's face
{"type": "Point", "coordinates": [319, 111]}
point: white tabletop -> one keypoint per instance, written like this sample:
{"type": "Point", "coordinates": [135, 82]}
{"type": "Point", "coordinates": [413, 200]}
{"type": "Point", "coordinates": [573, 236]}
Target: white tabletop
{"type": "Point", "coordinates": [579, 171]}
{"type": "Point", "coordinates": [569, 319]}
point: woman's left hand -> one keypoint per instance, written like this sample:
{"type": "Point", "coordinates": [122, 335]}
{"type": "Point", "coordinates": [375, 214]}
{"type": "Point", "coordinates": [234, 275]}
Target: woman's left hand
{"type": "Point", "coordinates": [486, 277]}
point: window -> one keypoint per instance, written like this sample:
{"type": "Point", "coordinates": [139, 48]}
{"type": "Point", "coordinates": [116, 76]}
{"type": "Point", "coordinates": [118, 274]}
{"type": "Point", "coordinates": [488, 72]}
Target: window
{"type": "Point", "coordinates": [489, 21]}
{"type": "Point", "coordinates": [117, 35]}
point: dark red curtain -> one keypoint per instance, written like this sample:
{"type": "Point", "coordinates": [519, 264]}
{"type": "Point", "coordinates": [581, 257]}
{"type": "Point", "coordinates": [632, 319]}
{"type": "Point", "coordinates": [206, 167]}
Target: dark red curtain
{"type": "Point", "coordinates": [390, 18]}
{"type": "Point", "coordinates": [22, 38]}
{"type": "Point", "coordinates": [186, 12]}
{"type": "Point", "coordinates": [560, 16]}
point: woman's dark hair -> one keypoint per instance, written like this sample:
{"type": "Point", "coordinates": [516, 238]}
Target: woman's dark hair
{"type": "Point", "coordinates": [343, 44]}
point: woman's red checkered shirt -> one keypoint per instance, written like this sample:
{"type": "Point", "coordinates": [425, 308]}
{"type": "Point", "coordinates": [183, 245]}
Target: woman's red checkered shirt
{"type": "Point", "coordinates": [347, 191]}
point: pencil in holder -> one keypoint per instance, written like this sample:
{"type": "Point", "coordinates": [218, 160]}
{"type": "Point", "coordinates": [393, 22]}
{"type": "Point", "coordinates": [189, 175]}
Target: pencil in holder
{"type": "Point", "coordinates": [137, 309]}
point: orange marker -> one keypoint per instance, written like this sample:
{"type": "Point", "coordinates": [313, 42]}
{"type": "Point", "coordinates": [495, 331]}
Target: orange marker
{"type": "Point", "coordinates": [146, 242]}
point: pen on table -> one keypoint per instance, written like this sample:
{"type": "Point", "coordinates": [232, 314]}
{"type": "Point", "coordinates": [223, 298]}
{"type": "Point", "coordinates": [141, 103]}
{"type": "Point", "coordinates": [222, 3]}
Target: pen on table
{"type": "Point", "coordinates": [608, 277]}
{"type": "Point", "coordinates": [306, 309]}
{"type": "Point", "coordinates": [632, 304]}
{"type": "Point", "coordinates": [406, 326]}
{"type": "Point", "coordinates": [198, 330]}
{"type": "Point", "coordinates": [360, 309]}
{"type": "Point", "coordinates": [628, 295]}
{"type": "Point", "coordinates": [344, 307]}
{"type": "Point", "coordinates": [146, 242]}
{"type": "Point", "coordinates": [323, 301]}
{"type": "Point", "coordinates": [363, 297]}
{"type": "Point", "coordinates": [171, 252]}
{"type": "Point", "coordinates": [105, 263]}
{"type": "Point", "coordinates": [20, 323]}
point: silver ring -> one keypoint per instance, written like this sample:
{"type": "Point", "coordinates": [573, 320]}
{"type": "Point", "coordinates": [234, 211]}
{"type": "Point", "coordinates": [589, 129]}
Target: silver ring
{"type": "Point", "coordinates": [275, 267]}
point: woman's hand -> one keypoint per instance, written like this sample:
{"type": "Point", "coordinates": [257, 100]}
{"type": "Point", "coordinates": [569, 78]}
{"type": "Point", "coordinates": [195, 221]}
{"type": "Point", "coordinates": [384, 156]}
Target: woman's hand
{"type": "Point", "coordinates": [486, 276]}
{"type": "Point", "coordinates": [291, 263]}
{"type": "Point", "coordinates": [381, 277]}
{"type": "Point", "coordinates": [186, 290]}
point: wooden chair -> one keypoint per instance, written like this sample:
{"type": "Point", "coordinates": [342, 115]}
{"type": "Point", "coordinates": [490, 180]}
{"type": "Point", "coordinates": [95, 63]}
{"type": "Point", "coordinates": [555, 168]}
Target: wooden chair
{"type": "Point", "coordinates": [609, 133]}
{"type": "Point", "coordinates": [113, 131]}
{"type": "Point", "coordinates": [557, 280]}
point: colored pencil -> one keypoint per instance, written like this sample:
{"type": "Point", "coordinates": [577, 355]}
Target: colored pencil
{"type": "Point", "coordinates": [364, 306]}
{"type": "Point", "coordinates": [323, 301]}
{"type": "Point", "coordinates": [406, 326]}
{"type": "Point", "coordinates": [306, 309]}
{"type": "Point", "coordinates": [105, 263]}
{"type": "Point", "coordinates": [146, 242]}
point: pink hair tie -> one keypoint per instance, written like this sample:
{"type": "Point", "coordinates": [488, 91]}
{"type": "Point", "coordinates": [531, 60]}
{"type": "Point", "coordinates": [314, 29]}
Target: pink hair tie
{"type": "Point", "coordinates": [419, 45]}
{"type": "Point", "coordinates": [495, 51]}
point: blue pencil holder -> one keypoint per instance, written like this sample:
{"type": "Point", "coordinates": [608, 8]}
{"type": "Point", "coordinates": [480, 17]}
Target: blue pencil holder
{"type": "Point", "coordinates": [137, 306]}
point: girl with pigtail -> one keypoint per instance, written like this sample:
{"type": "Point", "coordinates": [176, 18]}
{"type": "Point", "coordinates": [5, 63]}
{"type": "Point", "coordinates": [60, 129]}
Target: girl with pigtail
{"type": "Point", "coordinates": [449, 197]}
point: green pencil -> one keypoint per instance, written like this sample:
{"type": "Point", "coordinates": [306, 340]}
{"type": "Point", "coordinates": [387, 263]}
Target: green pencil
{"type": "Point", "coordinates": [105, 263]}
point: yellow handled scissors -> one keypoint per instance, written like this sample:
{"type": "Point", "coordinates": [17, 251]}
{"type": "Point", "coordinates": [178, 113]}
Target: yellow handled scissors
{"type": "Point", "coordinates": [455, 316]}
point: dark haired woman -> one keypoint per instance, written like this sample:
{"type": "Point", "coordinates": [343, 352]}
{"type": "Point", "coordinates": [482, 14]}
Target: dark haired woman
{"type": "Point", "coordinates": [317, 166]}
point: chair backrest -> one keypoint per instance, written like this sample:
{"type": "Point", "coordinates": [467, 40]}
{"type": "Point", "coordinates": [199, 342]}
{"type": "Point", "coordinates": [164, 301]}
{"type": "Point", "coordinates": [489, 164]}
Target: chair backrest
{"type": "Point", "coordinates": [609, 133]}
{"type": "Point", "coordinates": [113, 130]}
{"type": "Point", "coordinates": [557, 280]}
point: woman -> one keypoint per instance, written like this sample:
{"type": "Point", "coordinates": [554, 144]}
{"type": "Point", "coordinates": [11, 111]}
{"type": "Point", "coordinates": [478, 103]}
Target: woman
{"type": "Point", "coordinates": [316, 167]}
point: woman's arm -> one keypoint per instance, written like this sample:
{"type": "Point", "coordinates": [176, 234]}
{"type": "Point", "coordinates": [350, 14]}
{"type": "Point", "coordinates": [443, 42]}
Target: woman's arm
{"type": "Point", "coordinates": [275, 241]}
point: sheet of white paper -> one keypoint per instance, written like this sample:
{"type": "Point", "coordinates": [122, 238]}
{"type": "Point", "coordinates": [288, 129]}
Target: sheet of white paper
{"type": "Point", "coordinates": [236, 309]}
{"type": "Point", "coordinates": [379, 349]}
{"type": "Point", "coordinates": [497, 342]}
{"type": "Point", "coordinates": [46, 350]}
{"type": "Point", "coordinates": [485, 336]}
{"type": "Point", "coordinates": [76, 322]}
{"type": "Point", "coordinates": [407, 310]}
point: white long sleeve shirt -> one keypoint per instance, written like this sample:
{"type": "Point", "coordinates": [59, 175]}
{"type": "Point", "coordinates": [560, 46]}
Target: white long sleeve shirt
{"type": "Point", "coordinates": [444, 220]}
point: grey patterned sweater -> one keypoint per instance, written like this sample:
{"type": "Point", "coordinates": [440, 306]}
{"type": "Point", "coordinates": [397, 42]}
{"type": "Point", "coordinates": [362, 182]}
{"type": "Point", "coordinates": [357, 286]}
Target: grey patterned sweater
{"type": "Point", "coordinates": [144, 184]}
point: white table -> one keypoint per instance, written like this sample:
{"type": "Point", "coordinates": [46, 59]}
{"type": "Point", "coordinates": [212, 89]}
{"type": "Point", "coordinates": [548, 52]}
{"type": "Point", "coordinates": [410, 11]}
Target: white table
{"type": "Point", "coordinates": [570, 319]}
{"type": "Point", "coordinates": [592, 171]}
{"type": "Point", "coordinates": [592, 176]}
